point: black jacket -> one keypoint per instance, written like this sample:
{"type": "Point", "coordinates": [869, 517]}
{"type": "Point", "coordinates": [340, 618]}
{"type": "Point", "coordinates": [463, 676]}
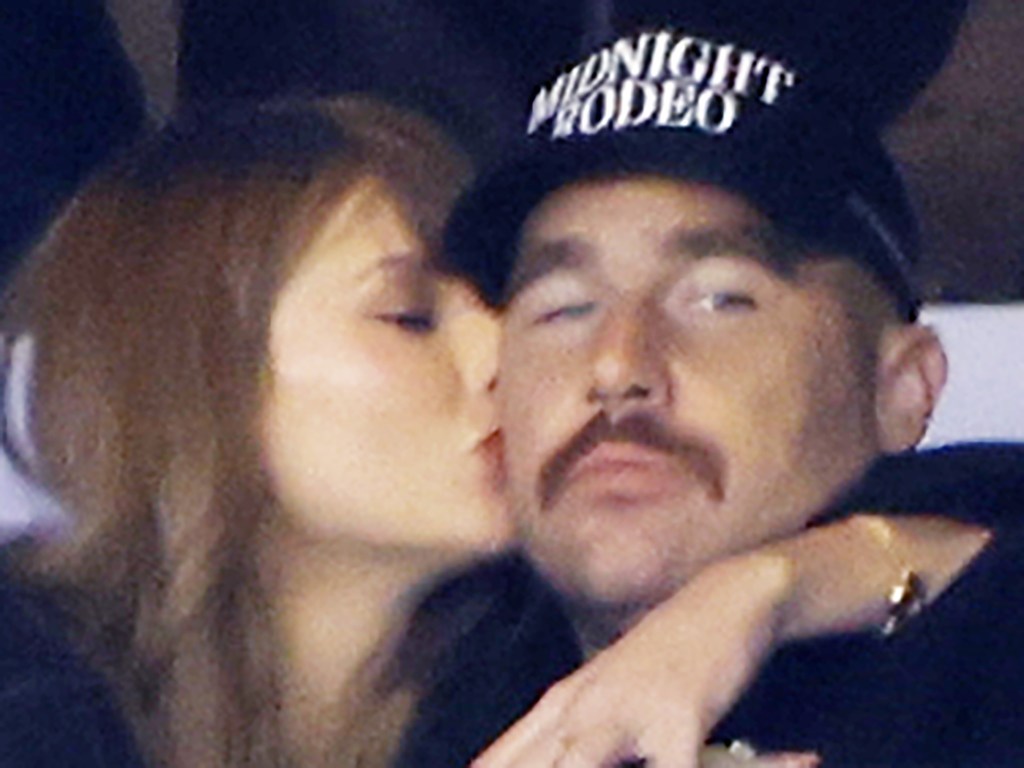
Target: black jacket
{"type": "Point", "coordinates": [947, 690]}
{"type": "Point", "coordinates": [54, 710]}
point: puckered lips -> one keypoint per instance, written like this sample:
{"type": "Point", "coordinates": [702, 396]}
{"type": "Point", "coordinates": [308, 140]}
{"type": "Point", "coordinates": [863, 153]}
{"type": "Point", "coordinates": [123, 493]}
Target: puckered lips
{"type": "Point", "coordinates": [491, 452]}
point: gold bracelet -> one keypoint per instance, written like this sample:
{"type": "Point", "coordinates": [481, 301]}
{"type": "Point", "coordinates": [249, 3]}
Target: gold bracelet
{"type": "Point", "coordinates": [904, 601]}
{"type": "Point", "coordinates": [906, 598]}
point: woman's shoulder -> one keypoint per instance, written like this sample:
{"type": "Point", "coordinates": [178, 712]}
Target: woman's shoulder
{"type": "Point", "coordinates": [54, 709]}
{"type": "Point", "coordinates": [31, 634]}
{"type": "Point", "coordinates": [508, 639]}
{"type": "Point", "coordinates": [498, 606]}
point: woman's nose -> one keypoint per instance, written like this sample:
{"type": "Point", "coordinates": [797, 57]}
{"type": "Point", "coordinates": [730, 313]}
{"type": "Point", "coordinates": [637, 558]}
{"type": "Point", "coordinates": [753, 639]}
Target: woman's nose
{"type": "Point", "coordinates": [476, 334]}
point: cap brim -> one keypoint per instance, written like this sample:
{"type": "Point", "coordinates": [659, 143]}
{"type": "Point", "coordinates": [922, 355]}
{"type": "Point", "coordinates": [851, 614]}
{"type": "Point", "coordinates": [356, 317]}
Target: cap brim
{"type": "Point", "coordinates": [801, 177]}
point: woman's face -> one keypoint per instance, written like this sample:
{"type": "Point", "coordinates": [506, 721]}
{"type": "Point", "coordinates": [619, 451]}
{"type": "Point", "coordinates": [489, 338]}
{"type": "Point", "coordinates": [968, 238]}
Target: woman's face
{"type": "Point", "coordinates": [378, 426]}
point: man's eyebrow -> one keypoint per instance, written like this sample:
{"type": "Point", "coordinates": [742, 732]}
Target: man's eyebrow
{"type": "Point", "coordinates": [534, 260]}
{"type": "Point", "coordinates": [764, 244]}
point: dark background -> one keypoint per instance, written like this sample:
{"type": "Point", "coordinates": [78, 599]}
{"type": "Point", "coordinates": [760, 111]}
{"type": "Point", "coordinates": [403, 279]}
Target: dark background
{"type": "Point", "coordinates": [80, 77]}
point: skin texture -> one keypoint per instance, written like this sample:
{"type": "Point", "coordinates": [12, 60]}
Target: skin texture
{"type": "Point", "coordinates": [647, 304]}
{"type": "Point", "coordinates": [673, 401]}
{"type": "Point", "coordinates": [677, 403]}
{"type": "Point", "coordinates": [378, 418]}
{"type": "Point", "coordinates": [378, 434]}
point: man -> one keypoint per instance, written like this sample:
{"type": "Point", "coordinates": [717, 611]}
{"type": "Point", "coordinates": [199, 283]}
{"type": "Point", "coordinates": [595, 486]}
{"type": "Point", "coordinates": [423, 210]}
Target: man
{"type": "Point", "coordinates": [710, 337]}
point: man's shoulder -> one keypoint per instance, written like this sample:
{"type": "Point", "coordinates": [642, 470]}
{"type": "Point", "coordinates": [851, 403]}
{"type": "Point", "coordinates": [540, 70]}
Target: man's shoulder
{"type": "Point", "coordinates": [947, 690]}
{"type": "Point", "coordinates": [977, 482]}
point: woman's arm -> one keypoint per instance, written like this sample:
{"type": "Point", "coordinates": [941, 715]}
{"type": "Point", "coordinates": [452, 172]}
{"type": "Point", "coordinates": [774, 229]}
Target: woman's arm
{"type": "Point", "coordinates": [842, 575]}
{"type": "Point", "coordinates": [659, 690]}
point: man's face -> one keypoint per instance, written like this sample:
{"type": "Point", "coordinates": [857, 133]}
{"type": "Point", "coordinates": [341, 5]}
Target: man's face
{"type": "Point", "coordinates": [667, 396]}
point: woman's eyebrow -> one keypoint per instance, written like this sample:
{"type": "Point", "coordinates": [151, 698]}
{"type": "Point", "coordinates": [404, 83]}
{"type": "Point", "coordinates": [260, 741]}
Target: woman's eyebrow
{"type": "Point", "coordinates": [401, 263]}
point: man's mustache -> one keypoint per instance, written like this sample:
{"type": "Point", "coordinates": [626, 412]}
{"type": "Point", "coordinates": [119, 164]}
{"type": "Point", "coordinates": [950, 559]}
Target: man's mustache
{"type": "Point", "coordinates": [702, 459]}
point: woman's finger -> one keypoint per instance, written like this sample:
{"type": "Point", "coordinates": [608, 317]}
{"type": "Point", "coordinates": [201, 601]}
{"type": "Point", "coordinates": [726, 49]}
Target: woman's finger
{"type": "Point", "coordinates": [533, 728]}
{"type": "Point", "coordinates": [718, 756]}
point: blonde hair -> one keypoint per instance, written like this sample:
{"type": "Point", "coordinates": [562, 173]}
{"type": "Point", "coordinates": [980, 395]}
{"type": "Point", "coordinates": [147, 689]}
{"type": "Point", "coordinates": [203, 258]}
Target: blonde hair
{"type": "Point", "coordinates": [149, 302]}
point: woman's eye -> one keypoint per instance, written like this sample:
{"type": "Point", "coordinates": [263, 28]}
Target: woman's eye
{"type": "Point", "coordinates": [413, 322]}
{"type": "Point", "coordinates": [727, 301]}
{"type": "Point", "coordinates": [565, 312]}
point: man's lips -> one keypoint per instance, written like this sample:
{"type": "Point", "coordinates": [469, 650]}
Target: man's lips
{"type": "Point", "coordinates": [636, 457]}
{"type": "Point", "coordinates": [627, 474]}
{"type": "Point", "coordinates": [616, 458]}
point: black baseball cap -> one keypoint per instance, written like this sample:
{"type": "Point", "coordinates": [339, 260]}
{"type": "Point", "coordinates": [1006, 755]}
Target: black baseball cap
{"type": "Point", "coordinates": [669, 102]}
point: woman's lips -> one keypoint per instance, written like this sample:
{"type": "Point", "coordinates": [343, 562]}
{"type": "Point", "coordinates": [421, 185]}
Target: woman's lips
{"type": "Point", "coordinates": [491, 452]}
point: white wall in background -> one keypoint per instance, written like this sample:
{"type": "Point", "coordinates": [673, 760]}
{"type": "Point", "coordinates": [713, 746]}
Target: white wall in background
{"type": "Point", "coordinates": [984, 397]}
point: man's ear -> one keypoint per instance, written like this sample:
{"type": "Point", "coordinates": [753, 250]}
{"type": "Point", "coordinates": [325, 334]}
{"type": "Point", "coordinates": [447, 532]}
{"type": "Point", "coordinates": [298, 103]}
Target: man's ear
{"type": "Point", "coordinates": [910, 377]}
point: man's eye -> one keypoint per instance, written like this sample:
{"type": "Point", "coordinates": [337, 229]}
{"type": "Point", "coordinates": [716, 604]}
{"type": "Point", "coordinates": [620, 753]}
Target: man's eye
{"type": "Point", "coordinates": [413, 322]}
{"type": "Point", "coordinates": [727, 301]}
{"type": "Point", "coordinates": [565, 312]}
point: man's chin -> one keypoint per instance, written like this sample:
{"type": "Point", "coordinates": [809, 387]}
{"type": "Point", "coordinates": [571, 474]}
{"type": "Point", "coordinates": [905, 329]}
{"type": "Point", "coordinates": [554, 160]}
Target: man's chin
{"type": "Point", "coordinates": [616, 584]}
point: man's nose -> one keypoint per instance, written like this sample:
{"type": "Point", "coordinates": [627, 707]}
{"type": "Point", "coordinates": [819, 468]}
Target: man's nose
{"type": "Point", "coordinates": [628, 367]}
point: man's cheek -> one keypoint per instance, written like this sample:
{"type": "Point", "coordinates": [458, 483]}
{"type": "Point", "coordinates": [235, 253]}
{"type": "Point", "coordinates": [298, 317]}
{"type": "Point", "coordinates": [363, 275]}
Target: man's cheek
{"type": "Point", "coordinates": [523, 455]}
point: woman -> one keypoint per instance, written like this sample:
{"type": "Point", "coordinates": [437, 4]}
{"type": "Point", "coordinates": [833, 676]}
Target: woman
{"type": "Point", "coordinates": [269, 420]}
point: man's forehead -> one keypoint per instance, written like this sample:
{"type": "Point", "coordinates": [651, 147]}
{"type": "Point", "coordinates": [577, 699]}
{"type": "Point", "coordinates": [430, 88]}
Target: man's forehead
{"type": "Point", "coordinates": [649, 216]}
{"type": "Point", "coordinates": [662, 198]}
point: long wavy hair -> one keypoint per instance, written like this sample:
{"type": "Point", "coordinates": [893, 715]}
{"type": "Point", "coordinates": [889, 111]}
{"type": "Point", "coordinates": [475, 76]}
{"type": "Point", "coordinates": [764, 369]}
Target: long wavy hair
{"type": "Point", "coordinates": [149, 303]}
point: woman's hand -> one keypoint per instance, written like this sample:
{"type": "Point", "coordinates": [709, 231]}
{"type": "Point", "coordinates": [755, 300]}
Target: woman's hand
{"type": "Point", "coordinates": [722, 757]}
{"type": "Point", "coordinates": [657, 692]}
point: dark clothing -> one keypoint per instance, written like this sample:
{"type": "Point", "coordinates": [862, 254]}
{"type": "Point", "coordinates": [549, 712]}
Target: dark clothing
{"type": "Point", "coordinates": [54, 710]}
{"type": "Point", "coordinates": [947, 690]}
{"type": "Point", "coordinates": [978, 482]}
{"type": "Point", "coordinates": [515, 648]}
